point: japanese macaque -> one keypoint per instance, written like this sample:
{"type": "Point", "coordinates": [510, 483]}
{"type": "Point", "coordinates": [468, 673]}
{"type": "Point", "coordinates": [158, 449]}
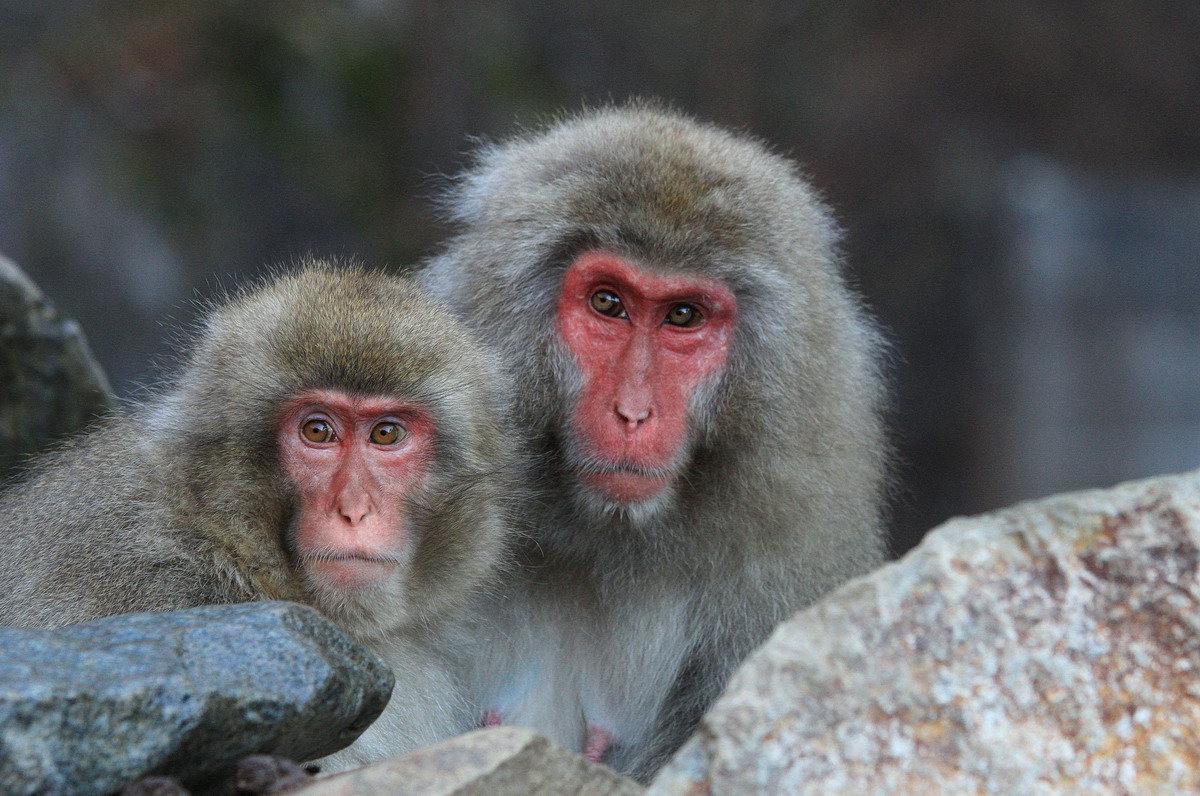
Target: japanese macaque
{"type": "Point", "coordinates": [333, 439]}
{"type": "Point", "coordinates": [701, 394]}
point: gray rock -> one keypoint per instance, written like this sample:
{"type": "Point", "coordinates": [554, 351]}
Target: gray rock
{"type": "Point", "coordinates": [88, 708]}
{"type": "Point", "coordinates": [502, 761]}
{"type": "Point", "coordinates": [1052, 647]}
{"type": "Point", "coordinates": [50, 386]}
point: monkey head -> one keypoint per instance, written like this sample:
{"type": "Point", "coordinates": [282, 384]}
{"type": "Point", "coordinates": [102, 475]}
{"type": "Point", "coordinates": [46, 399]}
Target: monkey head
{"type": "Point", "coordinates": [661, 288]}
{"type": "Point", "coordinates": [344, 430]}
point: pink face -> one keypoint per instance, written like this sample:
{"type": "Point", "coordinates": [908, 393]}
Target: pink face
{"type": "Point", "coordinates": [353, 462]}
{"type": "Point", "coordinates": [643, 343]}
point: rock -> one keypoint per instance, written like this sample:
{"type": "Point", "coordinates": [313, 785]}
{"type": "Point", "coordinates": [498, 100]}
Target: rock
{"type": "Point", "coordinates": [50, 386]}
{"type": "Point", "coordinates": [89, 708]}
{"type": "Point", "coordinates": [1052, 647]}
{"type": "Point", "coordinates": [501, 761]}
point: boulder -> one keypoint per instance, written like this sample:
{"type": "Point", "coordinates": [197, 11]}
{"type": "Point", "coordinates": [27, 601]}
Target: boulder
{"type": "Point", "coordinates": [50, 386]}
{"type": "Point", "coordinates": [1052, 647]}
{"type": "Point", "coordinates": [89, 708]}
{"type": "Point", "coordinates": [501, 761]}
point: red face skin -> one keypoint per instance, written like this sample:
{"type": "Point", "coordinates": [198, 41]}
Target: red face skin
{"type": "Point", "coordinates": [639, 369]}
{"type": "Point", "coordinates": [351, 523]}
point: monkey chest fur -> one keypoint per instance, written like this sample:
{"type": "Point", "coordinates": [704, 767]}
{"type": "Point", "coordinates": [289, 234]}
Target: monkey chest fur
{"type": "Point", "coordinates": [566, 665]}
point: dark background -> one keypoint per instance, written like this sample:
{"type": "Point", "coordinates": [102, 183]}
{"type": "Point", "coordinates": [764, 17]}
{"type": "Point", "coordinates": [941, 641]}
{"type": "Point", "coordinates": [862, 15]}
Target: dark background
{"type": "Point", "coordinates": [1019, 182]}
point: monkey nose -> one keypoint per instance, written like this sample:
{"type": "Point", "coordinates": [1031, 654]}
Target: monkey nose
{"type": "Point", "coordinates": [632, 416]}
{"type": "Point", "coordinates": [355, 511]}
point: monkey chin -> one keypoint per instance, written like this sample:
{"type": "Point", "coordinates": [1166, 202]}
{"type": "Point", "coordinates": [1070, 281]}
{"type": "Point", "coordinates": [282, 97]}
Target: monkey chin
{"type": "Point", "coordinates": [367, 596]}
{"type": "Point", "coordinates": [636, 497]}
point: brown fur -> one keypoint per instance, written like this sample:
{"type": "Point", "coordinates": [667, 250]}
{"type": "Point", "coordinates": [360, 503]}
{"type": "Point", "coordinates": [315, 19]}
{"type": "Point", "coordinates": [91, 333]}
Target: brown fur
{"type": "Point", "coordinates": [637, 616]}
{"type": "Point", "coordinates": [181, 502]}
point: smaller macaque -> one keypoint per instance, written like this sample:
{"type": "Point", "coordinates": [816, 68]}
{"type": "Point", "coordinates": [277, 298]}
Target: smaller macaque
{"type": "Point", "coordinates": [332, 439]}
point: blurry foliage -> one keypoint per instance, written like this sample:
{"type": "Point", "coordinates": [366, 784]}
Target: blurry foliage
{"type": "Point", "coordinates": [200, 138]}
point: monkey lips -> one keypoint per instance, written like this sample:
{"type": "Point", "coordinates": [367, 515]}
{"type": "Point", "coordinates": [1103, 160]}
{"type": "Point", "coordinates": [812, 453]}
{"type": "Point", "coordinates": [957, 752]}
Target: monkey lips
{"type": "Point", "coordinates": [347, 572]}
{"type": "Point", "coordinates": [625, 484]}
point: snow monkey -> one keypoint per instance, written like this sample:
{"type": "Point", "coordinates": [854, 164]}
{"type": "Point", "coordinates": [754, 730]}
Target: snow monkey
{"type": "Point", "coordinates": [700, 394]}
{"type": "Point", "coordinates": [332, 439]}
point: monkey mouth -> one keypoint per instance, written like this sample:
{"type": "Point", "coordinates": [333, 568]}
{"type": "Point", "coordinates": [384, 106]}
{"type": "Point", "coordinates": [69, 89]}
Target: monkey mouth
{"type": "Point", "coordinates": [350, 570]}
{"type": "Point", "coordinates": [606, 468]}
{"type": "Point", "coordinates": [625, 483]}
{"type": "Point", "coordinates": [384, 558]}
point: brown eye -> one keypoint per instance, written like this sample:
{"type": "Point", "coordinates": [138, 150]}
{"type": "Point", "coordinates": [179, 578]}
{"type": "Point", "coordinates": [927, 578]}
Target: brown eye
{"type": "Point", "coordinates": [387, 433]}
{"type": "Point", "coordinates": [607, 303]}
{"type": "Point", "coordinates": [317, 431]}
{"type": "Point", "coordinates": [684, 315]}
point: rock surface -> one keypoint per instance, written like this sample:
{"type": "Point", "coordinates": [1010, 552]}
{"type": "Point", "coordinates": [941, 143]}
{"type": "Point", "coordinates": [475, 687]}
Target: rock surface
{"type": "Point", "coordinates": [502, 761]}
{"type": "Point", "coordinates": [1052, 647]}
{"type": "Point", "coordinates": [50, 386]}
{"type": "Point", "coordinates": [89, 708]}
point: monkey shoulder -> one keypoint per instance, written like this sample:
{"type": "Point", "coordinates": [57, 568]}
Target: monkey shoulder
{"type": "Point", "coordinates": [87, 535]}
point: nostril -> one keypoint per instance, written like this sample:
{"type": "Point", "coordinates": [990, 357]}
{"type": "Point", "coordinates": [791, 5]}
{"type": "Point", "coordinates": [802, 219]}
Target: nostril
{"type": "Point", "coordinates": [632, 417]}
{"type": "Point", "coordinates": [354, 514]}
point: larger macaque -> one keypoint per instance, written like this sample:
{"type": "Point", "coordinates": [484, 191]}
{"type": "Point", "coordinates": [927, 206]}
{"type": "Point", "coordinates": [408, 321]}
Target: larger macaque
{"type": "Point", "coordinates": [701, 393]}
{"type": "Point", "coordinates": [333, 440]}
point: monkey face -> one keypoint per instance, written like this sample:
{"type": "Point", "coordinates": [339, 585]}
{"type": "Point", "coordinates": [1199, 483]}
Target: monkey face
{"type": "Point", "coordinates": [644, 344]}
{"type": "Point", "coordinates": [353, 463]}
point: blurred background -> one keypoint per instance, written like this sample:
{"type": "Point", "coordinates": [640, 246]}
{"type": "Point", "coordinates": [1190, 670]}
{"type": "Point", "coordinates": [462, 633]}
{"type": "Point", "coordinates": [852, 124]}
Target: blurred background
{"type": "Point", "coordinates": [1019, 182]}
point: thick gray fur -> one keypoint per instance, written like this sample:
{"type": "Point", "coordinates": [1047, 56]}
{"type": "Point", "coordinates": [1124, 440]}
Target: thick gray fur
{"type": "Point", "coordinates": [636, 617]}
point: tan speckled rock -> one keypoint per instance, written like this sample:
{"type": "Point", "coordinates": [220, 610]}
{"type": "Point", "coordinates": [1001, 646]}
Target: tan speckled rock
{"type": "Point", "coordinates": [504, 761]}
{"type": "Point", "coordinates": [1052, 647]}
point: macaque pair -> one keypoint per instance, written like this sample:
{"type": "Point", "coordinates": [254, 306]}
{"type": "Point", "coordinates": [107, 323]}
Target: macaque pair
{"type": "Point", "coordinates": [667, 440]}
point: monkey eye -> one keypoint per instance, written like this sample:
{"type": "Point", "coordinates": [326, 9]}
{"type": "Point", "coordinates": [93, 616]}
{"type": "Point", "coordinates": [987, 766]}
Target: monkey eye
{"type": "Point", "coordinates": [608, 303]}
{"type": "Point", "coordinates": [387, 433]}
{"type": "Point", "coordinates": [684, 315]}
{"type": "Point", "coordinates": [317, 430]}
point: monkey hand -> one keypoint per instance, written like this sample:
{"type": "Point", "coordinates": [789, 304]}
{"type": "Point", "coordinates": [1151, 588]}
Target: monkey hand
{"type": "Point", "coordinates": [269, 774]}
